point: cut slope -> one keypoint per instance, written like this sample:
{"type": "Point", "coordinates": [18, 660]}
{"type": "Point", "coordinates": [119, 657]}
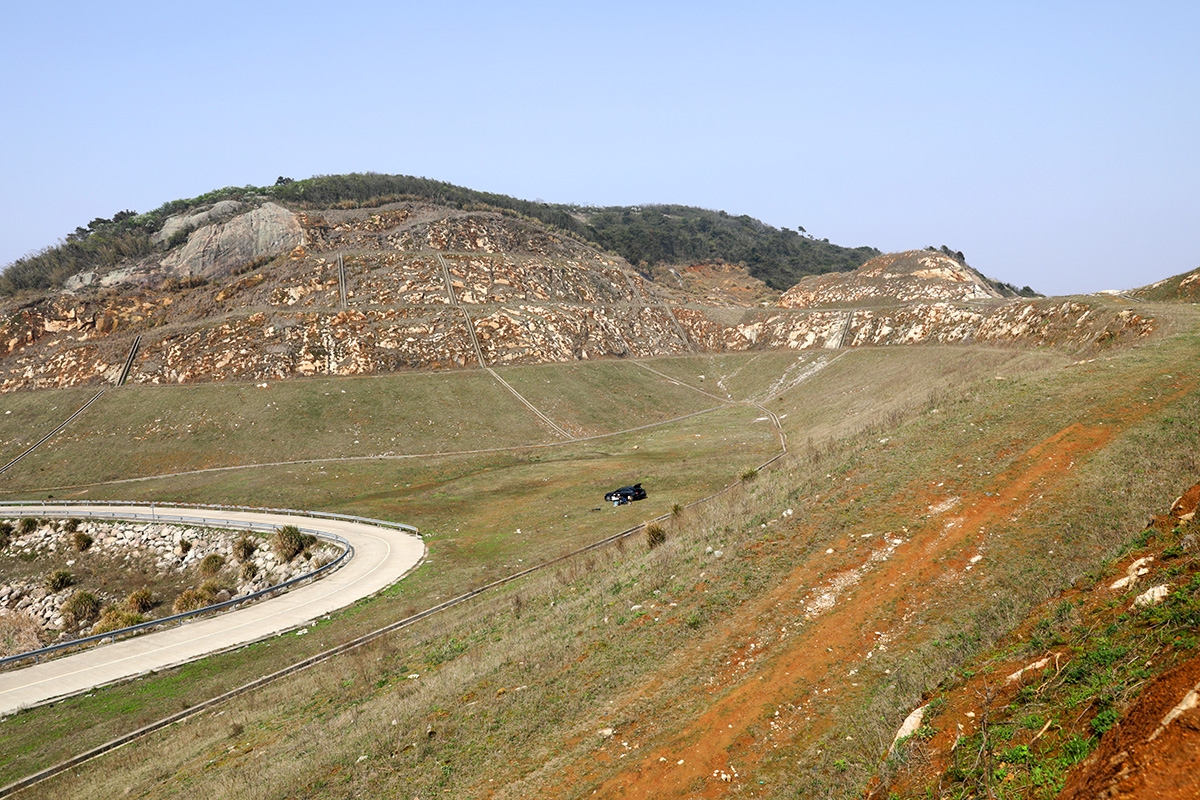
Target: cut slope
{"type": "Point", "coordinates": [910, 276]}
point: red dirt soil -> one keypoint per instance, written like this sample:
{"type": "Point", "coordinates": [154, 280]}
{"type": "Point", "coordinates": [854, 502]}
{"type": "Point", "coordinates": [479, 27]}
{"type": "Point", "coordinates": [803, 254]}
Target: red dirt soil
{"type": "Point", "coordinates": [804, 670]}
{"type": "Point", "coordinates": [720, 737]}
{"type": "Point", "coordinates": [1130, 765]}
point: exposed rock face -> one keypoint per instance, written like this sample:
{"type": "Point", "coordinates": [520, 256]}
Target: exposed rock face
{"type": "Point", "coordinates": [914, 275]}
{"type": "Point", "coordinates": [215, 250]}
{"type": "Point", "coordinates": [416, 286]}
{"type": "Point", "coordinates": [196, 219]}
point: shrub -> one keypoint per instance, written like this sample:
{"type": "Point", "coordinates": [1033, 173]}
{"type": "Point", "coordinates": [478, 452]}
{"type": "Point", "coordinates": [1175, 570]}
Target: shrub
{"type": "Point", "coordinates": [244, 548]}
{"type": "Point", "coordinates": [290, 542]}
{"type": "Point", "coordinates": [655, 535]}
{"type": "Point", "coordinates": [249, 571]}
{"type": "Point", "coordinates": [140, 601]}
{"type": "Point", "coordinates": [19, 633]}
{"type": "Point", "coordinates": [81, 541]}
{"type": "Point", "coordinates": [184, 547]}
{"type": "Point", "coordinates": [28, 525]}
{"type": "Point", "coordinates": [114, 619]}
{"type": "Point", "coordinates": [83, 606]}
{"type": "Point", "coordinates": [210, 589]}
{"type": "Point", "coordinates": [70, 524]}
{"type": "Point", "coordinates": [6, 530]}
{"type": "Point", "coordinates": [211, 564]}
{"type": "Point", "coordinates": [749, 475]}
{"type": "Point", "coordinates": [188, 600]}
{"type": "Point", "coordinates": [58, 580]}
{"type": "Point", "coordinates": [206, 594]}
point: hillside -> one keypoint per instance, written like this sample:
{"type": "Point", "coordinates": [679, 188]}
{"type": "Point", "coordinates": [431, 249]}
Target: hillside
{"type": "Point", "coordinates": [1179, 288]}
{"type": "Point", "coordinates": [644, 236]}
{"type": "Point", "coordinates": [249, 290]}
{"type": "Point", "coordinates": [878, 491]}
{"type": "Point", "coordinates": [778, 638]}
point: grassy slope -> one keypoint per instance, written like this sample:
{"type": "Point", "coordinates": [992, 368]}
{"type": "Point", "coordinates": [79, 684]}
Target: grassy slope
{"type": "Point", "coordinates": [597, 662]}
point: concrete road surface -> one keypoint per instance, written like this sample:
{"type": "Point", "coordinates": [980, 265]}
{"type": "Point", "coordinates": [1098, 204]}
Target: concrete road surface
{"type": "Point", "coordinates": [381, 557]}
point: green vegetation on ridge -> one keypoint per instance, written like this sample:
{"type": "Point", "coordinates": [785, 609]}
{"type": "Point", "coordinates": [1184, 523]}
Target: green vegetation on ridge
{"type": "Point", "coordinates": [644, 236]}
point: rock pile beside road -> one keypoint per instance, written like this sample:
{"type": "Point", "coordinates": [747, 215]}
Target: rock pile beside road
{"type": "Point", "coordinates": [161, 548]}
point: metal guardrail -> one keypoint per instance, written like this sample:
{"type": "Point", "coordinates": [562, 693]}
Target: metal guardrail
{"type": "Point", "coordinates": [217, 507]}
{"type": "Point", "coordinates": [346, 554]}
{"type": "Point", "coordinates": [345, 647]}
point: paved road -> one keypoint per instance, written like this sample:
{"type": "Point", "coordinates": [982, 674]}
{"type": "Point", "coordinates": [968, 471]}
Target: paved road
{"type": "Point", "coordinates": [381, 557]}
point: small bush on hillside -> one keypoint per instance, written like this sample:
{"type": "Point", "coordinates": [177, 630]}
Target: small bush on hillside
{"type": "Point", "coordinates": [211, 564]}
{"type": "Point", "coordinates": [81, 541]}
{"type": "Point", "coordinates": [28, 525]}
{"type": "Point", "coordinates": [249, 571]}
{"type": "Point", "coordinates": [655, 535]}
{"type": "Point", "coordinates": [191, 599]}
{"type": "Point", "coordinates": [749, 475]}
{"type": "Point", "coordinates": [290, 542]}
{"type": "Point", "coordinates": [244, 548]}
{"type": "Point", "coordinates": [83, 606]}
{"type": "Point", "coordinates": [188, 600]}
{"type": "Point", "coordinates": [184, 547]}
{"type": "Point", "coordinates": [58, 580]}
{"type": "Point", "coordinates": [140, 601]}
{"type": "Point", "coordinates": [210, 590]}
{"type": "Point", "coordinates": [19, 633]}
{"type": "Point", "coordinates": [6, 530]}
{"type": "Point", "coordinates": [114, 619]}
{"type": "Point", "coordinates": [70, 525]}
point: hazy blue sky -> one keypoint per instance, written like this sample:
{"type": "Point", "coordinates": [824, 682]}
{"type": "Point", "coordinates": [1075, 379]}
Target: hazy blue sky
{"type": "Point", "coordinates": [1055, 144]}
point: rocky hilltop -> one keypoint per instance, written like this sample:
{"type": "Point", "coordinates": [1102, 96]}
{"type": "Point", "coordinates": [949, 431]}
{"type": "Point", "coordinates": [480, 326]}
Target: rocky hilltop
{"type": "Point", "coordinates": [1183, 288]}
{"type": "Point", "coordinates": [893, 279]}
{"type": "Point", "coordinates": [245, 290]}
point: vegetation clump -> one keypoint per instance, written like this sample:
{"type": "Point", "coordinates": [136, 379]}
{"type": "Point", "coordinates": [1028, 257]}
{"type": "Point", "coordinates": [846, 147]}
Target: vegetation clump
{"type": "Point", "coordinates": [290, 542]}
{"type": "Point", "coordinates": [655, 535]}
{"type": "Point", "coordinates": [140, 601]}
{"type": "Point", "coordinates": [191, 599]}
{"type": "Point", "coordinates": [28, 525]}
{"type": "Point", "coordinates": [211, 564]}
{"type": "Point", "coordinates": [19, 633]}
{"type": "Point", "coordinates": [114, 619]}
{"type": "Point", "coordinates": [82, 606]}
{"type": "Point", "coordinates": [81, 541]}
{"type": "Point", "coordinates": [244, 548]}
{"type": "Point", "coordinates": [58, 580]}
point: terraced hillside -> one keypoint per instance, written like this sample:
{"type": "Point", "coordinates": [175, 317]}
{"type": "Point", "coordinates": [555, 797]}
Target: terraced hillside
{"type": "Point", "coordinates": [251, 291]}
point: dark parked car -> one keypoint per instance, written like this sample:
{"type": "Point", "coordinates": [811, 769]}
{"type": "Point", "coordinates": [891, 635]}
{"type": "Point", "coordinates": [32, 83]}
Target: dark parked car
{"type": "Point", "coordinates": [626, 494]}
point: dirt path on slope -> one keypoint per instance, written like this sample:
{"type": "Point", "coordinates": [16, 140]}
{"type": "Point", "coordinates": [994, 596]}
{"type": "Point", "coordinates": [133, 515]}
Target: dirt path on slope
{"type": "Point", "coordinates": [804, 671]}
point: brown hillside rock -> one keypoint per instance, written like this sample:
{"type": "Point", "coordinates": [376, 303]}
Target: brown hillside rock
{"type": "Point", "coordinates": [355, 291]}
{"type": "Point", "coordinates": [914, 275]}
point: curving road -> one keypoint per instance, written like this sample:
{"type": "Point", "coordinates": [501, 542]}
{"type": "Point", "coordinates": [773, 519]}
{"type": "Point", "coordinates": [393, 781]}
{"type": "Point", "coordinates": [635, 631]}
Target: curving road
{"type": "Point", "coordinates": [381, 557]}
